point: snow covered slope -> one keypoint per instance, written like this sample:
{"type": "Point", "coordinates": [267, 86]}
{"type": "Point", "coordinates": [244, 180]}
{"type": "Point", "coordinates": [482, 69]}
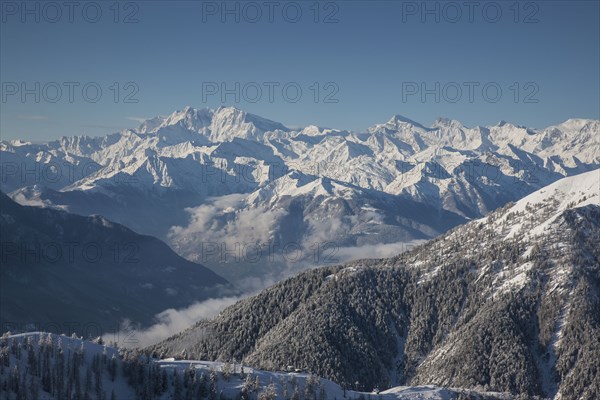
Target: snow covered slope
{"type": "Point", "coordinates": [53, 367]}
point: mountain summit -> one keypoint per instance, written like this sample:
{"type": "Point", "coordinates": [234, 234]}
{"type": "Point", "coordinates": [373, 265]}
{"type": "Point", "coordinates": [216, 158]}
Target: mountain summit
{"type": "Point", "coordinates": [217, 125]}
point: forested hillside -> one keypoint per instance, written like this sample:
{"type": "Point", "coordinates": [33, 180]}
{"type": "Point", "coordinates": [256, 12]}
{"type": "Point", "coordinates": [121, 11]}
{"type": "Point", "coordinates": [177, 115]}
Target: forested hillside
{"type": "Point", "coordinates": [507, 303]}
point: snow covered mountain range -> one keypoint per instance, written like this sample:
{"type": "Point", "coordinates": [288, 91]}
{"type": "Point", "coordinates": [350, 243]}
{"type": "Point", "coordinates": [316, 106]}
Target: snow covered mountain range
{"type": "Point", "coordinates": [218, 181]}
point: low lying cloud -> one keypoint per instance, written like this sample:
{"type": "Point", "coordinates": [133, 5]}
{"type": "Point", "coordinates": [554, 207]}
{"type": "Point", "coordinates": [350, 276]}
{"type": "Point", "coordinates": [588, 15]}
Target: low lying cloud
{"type": "Point", "coordinates": [169, 322]}
{"type": "Point", "coordinates": [376, 250]}
{"type": "Point", "coordinates": [224, 220]}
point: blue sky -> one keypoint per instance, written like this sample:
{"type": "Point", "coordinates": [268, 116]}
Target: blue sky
{"type": "Point", "coordinates": [373, 59]}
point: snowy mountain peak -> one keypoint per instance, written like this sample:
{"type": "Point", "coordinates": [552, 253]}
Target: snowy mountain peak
{"type": "Point", "coordinates": [312, 130]}
{"type": "Point", "coordinates": [217, 125]}
{"type": "Point", "coordinates": [397, 123]}
{"type": "Point", "coordinates": [578, 124]}
{"type": "Point", "coordinates": [447, 123]}
{"type": "Point", "coordinates": [398, 120]}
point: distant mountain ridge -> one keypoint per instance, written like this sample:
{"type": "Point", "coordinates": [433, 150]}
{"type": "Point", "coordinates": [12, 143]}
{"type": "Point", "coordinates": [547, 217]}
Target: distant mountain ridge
{"type": "Point", "coordinates": [172, 167]}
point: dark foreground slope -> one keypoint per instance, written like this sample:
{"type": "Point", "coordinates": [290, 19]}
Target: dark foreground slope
{"type": "Point", "coordinates": [507, 303]}
{"type": "Point", "coordinates": [62, 272]}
